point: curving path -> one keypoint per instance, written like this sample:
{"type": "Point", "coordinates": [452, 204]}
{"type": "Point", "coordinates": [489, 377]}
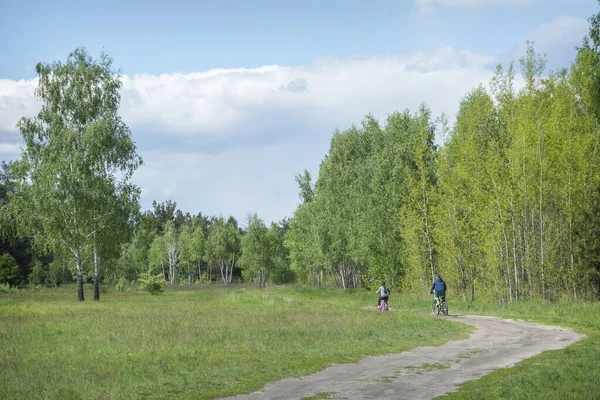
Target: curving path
{"type": "Point", "coordinates": [427, 372]}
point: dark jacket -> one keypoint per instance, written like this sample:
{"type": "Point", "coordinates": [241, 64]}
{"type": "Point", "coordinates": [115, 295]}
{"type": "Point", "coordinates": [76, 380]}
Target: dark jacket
{"type": "Point", "coordinates": [439, 285]}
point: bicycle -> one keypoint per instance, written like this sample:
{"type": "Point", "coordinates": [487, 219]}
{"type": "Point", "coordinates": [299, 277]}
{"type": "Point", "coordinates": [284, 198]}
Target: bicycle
{"type": "Point", "coordinates": [383, 306]}
{"type": "Point", "coordinates": [439, 307]}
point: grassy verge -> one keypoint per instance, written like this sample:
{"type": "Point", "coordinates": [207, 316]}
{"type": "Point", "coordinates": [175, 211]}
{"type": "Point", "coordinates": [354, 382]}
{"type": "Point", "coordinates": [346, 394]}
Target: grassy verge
{"type": "Point", "coordinates": [570, 373]}
{"type": "Point", "coordinates": [192, 343]}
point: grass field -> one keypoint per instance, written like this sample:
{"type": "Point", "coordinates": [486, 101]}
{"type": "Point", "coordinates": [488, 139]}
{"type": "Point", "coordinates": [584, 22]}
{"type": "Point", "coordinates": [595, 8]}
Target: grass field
{"type": "Point", "coordinates": [214, 342]}
{"type": "Point", "coordinates": [570, 373]}
{"type": "Point", "coordinates": [198, 344]}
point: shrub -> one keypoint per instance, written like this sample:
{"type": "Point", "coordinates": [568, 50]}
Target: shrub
{"type": "Point", "coordinates": [5, 288]}
{"type": "Point", "coordinates": [152, 283]}
{"type": "Point", "coordinates": [9, 269]}
{"type": "Point", "coordinates": [203, 280]}
{"type": "Point", "coordinates": [35, 288]}
{"type": "Point", "coordinates": [121, 284]}
{"type": "Point", "coordinates": [38, 275]}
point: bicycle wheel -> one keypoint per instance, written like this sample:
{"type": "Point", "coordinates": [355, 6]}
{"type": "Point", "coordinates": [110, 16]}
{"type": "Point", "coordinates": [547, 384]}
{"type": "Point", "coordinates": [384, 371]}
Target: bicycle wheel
{"type": "Point", "coordinates": [435, 310]}
{"type": "Point", "coordinates": [444, 308]}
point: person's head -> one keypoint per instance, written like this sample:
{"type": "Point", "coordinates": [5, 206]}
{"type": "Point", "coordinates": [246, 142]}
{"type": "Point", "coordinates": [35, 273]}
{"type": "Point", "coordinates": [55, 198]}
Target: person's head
{"type": "Point", "coordinates": [382, 283]}
{"type": "Point", "coordinates": [437, 276]}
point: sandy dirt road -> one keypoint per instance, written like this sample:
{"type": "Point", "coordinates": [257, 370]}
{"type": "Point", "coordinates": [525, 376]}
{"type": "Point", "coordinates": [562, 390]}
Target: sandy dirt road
{"type": "Point", "coordinates": [427, 372]}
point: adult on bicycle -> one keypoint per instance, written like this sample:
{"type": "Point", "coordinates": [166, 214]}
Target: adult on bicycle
{"type": "Point", "coordinates": [439, 286]}
{"type": "Point", "coordinates": [384, 293]}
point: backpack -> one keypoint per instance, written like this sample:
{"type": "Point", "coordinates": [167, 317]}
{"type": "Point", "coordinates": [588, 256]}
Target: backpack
{"type": "Point", "coordinates": [387, 291]}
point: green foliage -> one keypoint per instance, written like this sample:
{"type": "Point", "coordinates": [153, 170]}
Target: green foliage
{"type": "Point", "coordinates": [153, 284]}
{"type": "Point", "coordinates": [6, 288]}
{"type": "Point", "coordinates": [348, 230]}
{"type": "Point", "coordinates": [263, 253]}
{"type": "Point", "coordinates": [255, 258]}
{"type": "Point", "coordinates": [39, 274]}
{"type": "Point", "coordinates": [35, 288]}
{"type": "Point", "coordinates": [516, 175]}
{"type": "Point", "coordinates": [134, 257]}
{"type": "Point", "coordinates": [279, 254]}
{"type": "Point", "coordinates": [585, 71]}
{"type": "Point", "coordinates": [222, 247]}
{"type": "Point", "coordinates": [417, 211]}
{"type": "Point", "coordinates": [307, 190]}
{"type": "Point", "coordinates": [505, 210]}
{"type": "Point", "coordinates": [72, 189]}
{"type": "Point", "coordinates": [9, 269]}
{"type": "Point", "coordinates": [122, 284]}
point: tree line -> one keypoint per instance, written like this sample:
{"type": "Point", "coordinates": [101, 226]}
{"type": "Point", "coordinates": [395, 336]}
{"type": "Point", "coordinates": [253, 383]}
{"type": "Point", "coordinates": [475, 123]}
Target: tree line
{"type": "Point", "coordinates": [506, 208]}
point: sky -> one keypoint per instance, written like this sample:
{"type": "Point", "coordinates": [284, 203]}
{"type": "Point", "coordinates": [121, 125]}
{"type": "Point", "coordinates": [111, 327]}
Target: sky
{"type": "Point", "coordinates": [229, 100]}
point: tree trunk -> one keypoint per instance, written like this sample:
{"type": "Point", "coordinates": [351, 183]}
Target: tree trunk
{"type": "Point", "coordinates": [231, 267]}
{"type": "Point", "coordinates": [223, 266]}
{"type": "Point", "coordinates": [79, 267]}
{"type": "Point", "coordinates": [425, 211]}
{"type": "Point", "coordinates": [173, 257]}
{"type": "Point", "coordinates": [514, 240]}
{"type": "Point", "coordinates": [96, 273]}
{"type": "Point", "coordinates": [541, 189]}
{"type": "Point", "coordinates": [571, 246]}
{"type": "Point", "coordinates": [343, 275]}
{"type": "Point", "coordinates": [506, 251]}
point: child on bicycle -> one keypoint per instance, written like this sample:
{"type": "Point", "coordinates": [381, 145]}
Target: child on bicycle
{"type": "Point", "coordinates": [440, 288]}
{"type": "Point", "coordinates": [384, 293]}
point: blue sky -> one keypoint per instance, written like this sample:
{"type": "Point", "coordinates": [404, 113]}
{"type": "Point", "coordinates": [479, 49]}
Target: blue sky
{"type": "Point", "coordinates": [228, 100]}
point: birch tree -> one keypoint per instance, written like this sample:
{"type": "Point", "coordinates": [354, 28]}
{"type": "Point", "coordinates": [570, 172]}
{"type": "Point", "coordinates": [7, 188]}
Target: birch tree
{"type": "Point", "coordinates": [255, 258]}
{"type": "Point", "coordinates": [222, 247]}
{"type": "Point", "coordinates": [76, 145]}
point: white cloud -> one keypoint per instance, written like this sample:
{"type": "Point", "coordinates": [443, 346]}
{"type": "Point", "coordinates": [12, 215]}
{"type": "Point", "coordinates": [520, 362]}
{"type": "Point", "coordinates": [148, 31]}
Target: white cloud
{"type": "Point", "coordinates": [557, 39]}
{"type": "Point", "coordinates": [562, 30]}
{"type": "Point", "coordinates": [16, 100]}
{"type": "Point", "coordinates": [446, 58]}
{"type": "Point", "coordinates": [231, 141]}
{"type": "Point", "coordinates": [9, 149]}
{"type": "Point", "coordinates": [236, 182]}
{"type": "Point", "coordinates": [427, 5]}
{"type": "Point", "coordinates": [333, 91]}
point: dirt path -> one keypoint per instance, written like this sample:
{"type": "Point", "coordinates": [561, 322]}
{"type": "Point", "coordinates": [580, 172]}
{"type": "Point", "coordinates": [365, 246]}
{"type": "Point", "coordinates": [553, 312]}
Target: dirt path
{"type": "Point", "coordinates": [427, 372]}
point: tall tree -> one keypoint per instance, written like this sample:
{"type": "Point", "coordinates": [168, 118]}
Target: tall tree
{"type": "Point", "coordinates": [78, 156]}
{"type": "Point", "coordinates": [254, 259]}
{"type": "Point", "coordinates": [223, 247]}
{"type": "Point", "coordinates": [279, 254]}
{"type": "Point", "coordinates": [420, 197]}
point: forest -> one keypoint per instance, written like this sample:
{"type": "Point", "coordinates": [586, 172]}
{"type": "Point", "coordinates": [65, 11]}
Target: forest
{"type": "Point", "coordinates": [506, 207]}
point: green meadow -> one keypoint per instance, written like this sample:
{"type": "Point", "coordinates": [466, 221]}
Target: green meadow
{"type": "Point", "coordinates": [195, 343]}
{"type": "Point", "coordinates": [202, 343]}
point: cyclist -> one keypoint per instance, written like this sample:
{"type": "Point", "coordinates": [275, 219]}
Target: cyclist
{"type": "Point", "coordinates": [440, 288]}
{"type": "Point", "coordinates": [384, 293]}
